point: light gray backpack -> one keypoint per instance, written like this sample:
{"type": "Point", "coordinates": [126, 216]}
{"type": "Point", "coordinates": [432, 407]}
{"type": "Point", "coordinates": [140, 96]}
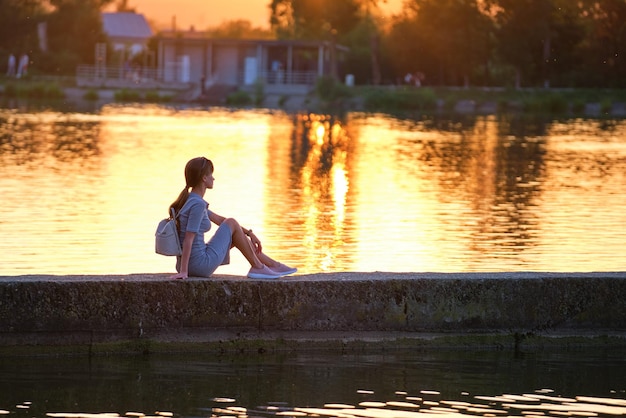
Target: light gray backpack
{"type": "Point", "coordinates": [166, 236]}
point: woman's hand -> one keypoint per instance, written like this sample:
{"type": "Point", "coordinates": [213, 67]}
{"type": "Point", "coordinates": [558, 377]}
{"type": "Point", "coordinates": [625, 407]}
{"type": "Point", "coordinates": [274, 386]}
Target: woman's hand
{"type": "Point", "coordinates": [179, 276]}
{"type": "Point", "coordinates": [256, 243]}
{"type": "Point", "coordinates": [184, 260]}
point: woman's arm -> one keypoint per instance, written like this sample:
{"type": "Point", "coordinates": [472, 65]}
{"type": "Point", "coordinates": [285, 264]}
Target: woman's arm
{"type": "Point", "coordinates": [184, 259]}
{"type": "Point", "coordinates": [217, 219]}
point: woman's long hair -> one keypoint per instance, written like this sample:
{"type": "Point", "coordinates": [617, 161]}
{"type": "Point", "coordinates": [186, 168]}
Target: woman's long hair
{"type": "Point", "coordinates": [195, 169]}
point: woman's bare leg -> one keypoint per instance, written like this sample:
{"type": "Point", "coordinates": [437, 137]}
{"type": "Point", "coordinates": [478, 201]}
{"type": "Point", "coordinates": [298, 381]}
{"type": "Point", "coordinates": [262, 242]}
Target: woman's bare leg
{"type": "Point", "coordinates": [267, 260]}
{"type": "Point", "coordinates": [243, 244]}
{"type": "Point", "coordinates": [247, 248]}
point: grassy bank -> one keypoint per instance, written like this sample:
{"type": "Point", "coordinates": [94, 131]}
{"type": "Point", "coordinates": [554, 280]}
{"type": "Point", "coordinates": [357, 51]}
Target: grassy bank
{"type": "Point", "coordinates": [131, 95]}
{"type": "Point", "coordinates": [32, 90]}
{"type": "Point", "coordinates": [535, 100]}
{"type": "Point", "coordinates": [54, 89]}
{"type": "Point", "coordinates": [335, 96]}
{"type": "Point", "coordinates": [550, 101]}
{"type": "Point", "coordinates": [426, 99]}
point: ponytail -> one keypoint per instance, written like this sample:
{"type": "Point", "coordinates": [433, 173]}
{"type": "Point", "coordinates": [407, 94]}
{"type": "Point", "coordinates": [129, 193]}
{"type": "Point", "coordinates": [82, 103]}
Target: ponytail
{"type": "Point", "coordinates": [177, 205]}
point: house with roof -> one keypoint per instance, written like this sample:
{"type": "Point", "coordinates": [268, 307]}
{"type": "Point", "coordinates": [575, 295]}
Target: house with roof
{"type": "Point", "coordinates": [280, 65]}
{"type": "Point", "coordinates": [128, 33]}
{"type": "Point", "coordinates": [193, 60]}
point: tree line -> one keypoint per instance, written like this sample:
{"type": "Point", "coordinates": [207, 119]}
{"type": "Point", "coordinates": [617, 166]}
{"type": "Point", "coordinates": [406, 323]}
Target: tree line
{"type": "Point", "coordinates": [73, 28]}
{"type": "Point", "coordinates": [521, 43]}
{"type": "Point", "coordinates": [560, 43]}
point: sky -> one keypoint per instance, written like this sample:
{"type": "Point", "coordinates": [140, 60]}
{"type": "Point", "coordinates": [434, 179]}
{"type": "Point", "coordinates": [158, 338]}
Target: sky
{"type": "Point", "coordinates": [203, 14]}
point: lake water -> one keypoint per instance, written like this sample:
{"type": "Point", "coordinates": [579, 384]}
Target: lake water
{"type": "Point", "coordinates": [82, 192]}
{"type": "Point", "coordinates": [379, 384]}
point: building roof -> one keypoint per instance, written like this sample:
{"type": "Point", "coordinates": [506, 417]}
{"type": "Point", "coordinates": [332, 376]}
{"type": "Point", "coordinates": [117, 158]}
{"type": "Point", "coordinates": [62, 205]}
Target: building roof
{"type": "Point", "coordinates": [195, 37]}
{"type": "Point", "coordinates": [126, 25]}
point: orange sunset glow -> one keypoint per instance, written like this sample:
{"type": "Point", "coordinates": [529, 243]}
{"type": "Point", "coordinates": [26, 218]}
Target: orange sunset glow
{"type": "Point", "coordinates": [202, 14]}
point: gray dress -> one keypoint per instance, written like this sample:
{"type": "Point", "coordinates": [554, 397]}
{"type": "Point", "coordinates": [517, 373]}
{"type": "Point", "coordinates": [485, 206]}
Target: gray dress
{"type": "Point", "coordinates": [205, 256]}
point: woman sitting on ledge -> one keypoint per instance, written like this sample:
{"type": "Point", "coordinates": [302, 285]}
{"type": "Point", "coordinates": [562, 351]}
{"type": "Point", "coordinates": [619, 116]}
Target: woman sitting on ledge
{"type": "Point", "coordinates": [194, 219]}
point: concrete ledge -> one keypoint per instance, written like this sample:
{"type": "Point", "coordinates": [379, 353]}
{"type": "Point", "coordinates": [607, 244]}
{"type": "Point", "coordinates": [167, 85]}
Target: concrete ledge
{"type": "Point", "coordinates": [339, 307]}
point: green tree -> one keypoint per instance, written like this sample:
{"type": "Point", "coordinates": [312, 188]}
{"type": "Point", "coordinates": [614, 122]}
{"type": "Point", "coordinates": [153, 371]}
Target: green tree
{"type": "Point", "coordinates": [74, 29]}
{"type": "Point", "coordinates": [562, 61]}
{"type": "Point", "coordinates": [123, 6]}
{"type": "Point", "coordinates": [447, 40]}
{"type": "Point", "coordinates": [314, 19]}
{"type": "Point", "coordinates": [362, 59]}
{"type": "Point", "coordinates": [537, 38]}
{"type": "Point", "coordinates": [351, 23]}
{"type": "Point", "coordinates": [18, 26]}
{"type": "Point", "coordinates": [604, 43]}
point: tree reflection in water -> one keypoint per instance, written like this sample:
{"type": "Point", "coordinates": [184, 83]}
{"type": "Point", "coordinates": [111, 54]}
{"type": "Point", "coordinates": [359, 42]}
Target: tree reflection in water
{"type": "Point", "coordinates": [356, 192]}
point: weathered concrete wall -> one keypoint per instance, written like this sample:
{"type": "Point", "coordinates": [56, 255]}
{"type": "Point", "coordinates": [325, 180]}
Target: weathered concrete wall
{"type": "Point", "coordinates": [87, 309]}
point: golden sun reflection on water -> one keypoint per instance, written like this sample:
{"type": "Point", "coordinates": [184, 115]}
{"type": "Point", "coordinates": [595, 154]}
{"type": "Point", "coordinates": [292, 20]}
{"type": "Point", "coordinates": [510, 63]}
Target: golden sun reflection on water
{"type": "Point", "coordinates": [405, 406]}
{"type": "Point", "coordinates": [506, 405]}
{"type": "Point", "coordinates": [82, 193]}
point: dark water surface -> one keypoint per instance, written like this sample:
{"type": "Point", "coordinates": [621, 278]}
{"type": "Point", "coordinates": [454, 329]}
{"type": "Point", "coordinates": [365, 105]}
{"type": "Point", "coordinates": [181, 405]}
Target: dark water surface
{"type": "Point", "coordinates": [581, 382]}
{"type": "Point", "coordinates": [82, 192]}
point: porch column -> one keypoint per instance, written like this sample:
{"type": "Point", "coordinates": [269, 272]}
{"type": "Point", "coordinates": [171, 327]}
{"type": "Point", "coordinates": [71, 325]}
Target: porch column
{"type": "Point", "coordinates": [320, 61]}
{"type": "Point", "coordinates": [161, 62]}
{"type": "Point", "coordinates": [290, 75]}
{"type": "Point", "coordinates": [260, 74]}
{"type": "Point", "coordinates": [209, 63]}
{"type": "Point", "coordinates": [204, 73]}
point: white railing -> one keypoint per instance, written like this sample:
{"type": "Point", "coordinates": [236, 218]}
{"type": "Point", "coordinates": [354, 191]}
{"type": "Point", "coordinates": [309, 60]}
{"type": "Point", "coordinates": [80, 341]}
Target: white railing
{"type": "Point", "coordinates": [122, 77]}
{"type": "Point", "coordinates": [118, 72]}
{"type": "Point", "coordinates": [175, 74]}
{"type": "Point", "coordinates": [284, 77]}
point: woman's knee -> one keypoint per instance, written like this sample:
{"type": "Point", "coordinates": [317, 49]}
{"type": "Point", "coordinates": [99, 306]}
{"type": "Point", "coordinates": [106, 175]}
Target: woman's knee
{"type": "Point", "coordinates": [232, 223]}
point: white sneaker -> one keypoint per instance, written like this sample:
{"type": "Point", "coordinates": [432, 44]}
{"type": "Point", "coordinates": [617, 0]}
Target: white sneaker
{"type": "Point", "coordinates": [283, 270]}
{"type": "Point", "coordinates": [263, 273]}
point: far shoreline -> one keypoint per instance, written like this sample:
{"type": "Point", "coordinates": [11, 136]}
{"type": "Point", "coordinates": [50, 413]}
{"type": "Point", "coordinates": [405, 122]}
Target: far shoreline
{"type": "Point", "coordinates": [338, 98]}
{"type": "Point", "coordinates": [445, 101]}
